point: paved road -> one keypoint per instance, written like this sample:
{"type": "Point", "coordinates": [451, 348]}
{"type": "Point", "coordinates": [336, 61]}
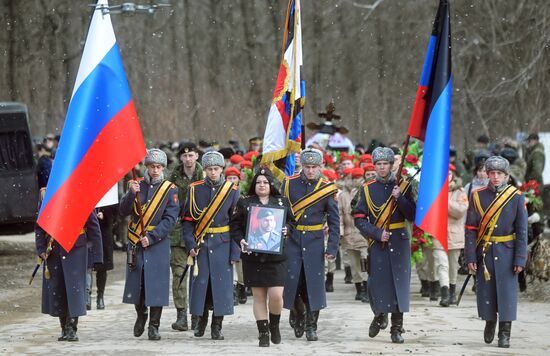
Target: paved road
{"type": "Point", "coordinates": [343, 327]}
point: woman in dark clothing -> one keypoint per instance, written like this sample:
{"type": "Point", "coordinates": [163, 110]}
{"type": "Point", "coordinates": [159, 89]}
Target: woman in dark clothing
{"type": "Point", "coordinates": [264, 273]}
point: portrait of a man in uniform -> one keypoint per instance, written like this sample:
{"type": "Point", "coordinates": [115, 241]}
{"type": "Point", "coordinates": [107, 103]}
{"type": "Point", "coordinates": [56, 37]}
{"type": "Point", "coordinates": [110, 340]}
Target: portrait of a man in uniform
{"type": "Point", "coordinates": [264, 229]}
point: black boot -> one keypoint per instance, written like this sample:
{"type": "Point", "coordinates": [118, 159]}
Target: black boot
{"type": "Point", "coordinates": [365, 292]}
{"type": "Point", "coordinates": [311, 325]}
{"type": "Point", "coordinates": [444, 302]}
{"type": "Point", "coordinates": [489, 332]}
{"type": "Point", "coordinates": [452, 294]}
{"type": "Point", "coordinates": [71, 328]}
{"type": "Point", "coordinates": [263, 333]}
{"type": "Point", "coordinates": [299, 316]}
{"type": "Point", "coordinates": [241, 293]}
{"type": "Point", "coordinates": [328, 282]}
{"type": "Point", "coordinates": [181, 320]}
{"type": "Point", "coordinates": [216, 328]}
{"type": "Point", "coordinates": [379, 322]}
{"type": "Point", "coordinates": [397, 328]}
{"type": "Point", "coordinates": [434, 291]}
{"type": "Point", "coordinates": [89, 300]}
{"type": "Point", "coordinates": [274, 328]}
{"type": "Point", "coordinates": [154, 323]}
{"type": "Point", "coordinates": [63, 323]}
{"type": "Point", "coordinates": [358, 290]}
{"type": "Point", "coordinates": [141, 319]}
{"type": "Point", "coordinates": [194, 321]}
{"type": "Point", "coordinates": [425, 289]}
{"type": "Point", "coordinates": [347, 277]}
{"type": "Point", "coordinates": [201, 323]}
{"type": "Point", "coordinates": [101, 280]}
{"type": "Point", "coordinates": [504, 331]}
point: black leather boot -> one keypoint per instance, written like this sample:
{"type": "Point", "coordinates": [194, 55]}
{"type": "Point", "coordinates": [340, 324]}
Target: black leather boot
{"type": "Point", "coordinates": [101, 280]}
{"type": "Point", "coordinates": [216, 328]}
{"type": "Point", "coordinates": [347, 277]}
{"type": "Point", "coordinates": [384, 321]}
{"type": "Point", "coordinates": [365, 292]}
{"type": "Point", "coordinates": [263, 333]}
{"type": "Point", "coordinates": [63, 323]}
{"type": "Point", "coordinates": [194, 321]}
{"type": "Point", "coordinates": [71, 328]}
{"type": "Point", "coordinates": [181, 320]}
{"type": "Point", "coordinates": [444, 302]}
{"type": "Point", "coordinates": [299, 317]}
{"type": "Point", "coordinates": [358, 290]}
{"type": "Point", "coordinates": [425, 288]}
{"type": "Point", "coordinates": [141, 319]}
{"type": "Point", "coordinates": [201, 323]}
{"type": "Point", "coordinates": [397, 328]}
{"type": "Point", "coordinates": [154, 323]}
{"type": "Point", "coordinates": [489, 332]}
{"type": "Point", "coordinates": [375, 325]}
{"type": "Point", "coordinates": [274, 328]}
{"type": "Point", "coordinates": [452, 294]}
{"type": "Point", "coordinates": [434, 290]}
{"type": "Point", "coordinates": [328, 283]}
{"type": "Point", "coordinates": [311, 325]}
{"type": "Point", "coordinates": [241, 293]}
{"type": "Point", "coordinates": [504, 331]}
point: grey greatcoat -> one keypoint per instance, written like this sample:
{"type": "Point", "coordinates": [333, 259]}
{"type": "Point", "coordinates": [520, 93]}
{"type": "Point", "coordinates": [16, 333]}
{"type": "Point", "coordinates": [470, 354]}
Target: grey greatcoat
{"type": "Point", "coordinates": [306, 249]}
{"type": "Point", "coordinates": [389, 263]}
{"type": "Point", "coordinates": [64, 294]}
{"type": "Point", "coordinates": [216, 253]}
{"type": "Point", "coordinates": [153, 263]}
{"type": "Point", "coordinates": [500, 293]}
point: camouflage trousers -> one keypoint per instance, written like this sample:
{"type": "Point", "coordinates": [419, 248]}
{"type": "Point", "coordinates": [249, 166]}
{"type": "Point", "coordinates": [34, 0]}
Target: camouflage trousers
{"type": "Point", "coordinates": [178, 260]}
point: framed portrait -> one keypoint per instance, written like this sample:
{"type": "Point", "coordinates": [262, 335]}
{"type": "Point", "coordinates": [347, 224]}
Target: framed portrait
{"type": "Point", "coordinates": [264, 229]}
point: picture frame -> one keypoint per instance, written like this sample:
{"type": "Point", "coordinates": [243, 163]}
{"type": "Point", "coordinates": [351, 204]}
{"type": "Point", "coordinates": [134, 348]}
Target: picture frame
{"type": "Point", "coordinates": [264, 229]}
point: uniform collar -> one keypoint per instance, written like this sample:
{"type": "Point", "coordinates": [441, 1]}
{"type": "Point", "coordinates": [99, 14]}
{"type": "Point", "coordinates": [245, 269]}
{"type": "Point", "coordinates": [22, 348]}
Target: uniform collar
{"type": "Point", "coordinates": [148, 180]}
{"type": "Point", "coordinates": [305, 180]}
{"type": "Point", "coordinates": [211, 183]}
{"type": "Point", "coordinates": [498, 189]}
{"type": "Point", "coordinates": [389, 179]}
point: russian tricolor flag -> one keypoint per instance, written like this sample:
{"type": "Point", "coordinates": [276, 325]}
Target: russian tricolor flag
{"type": "Point", "coordinates": [431, 121]}
{"type": "Point", "coordinates": [283, 131]}
{"type": "Point", "coordinates": [101, 139]}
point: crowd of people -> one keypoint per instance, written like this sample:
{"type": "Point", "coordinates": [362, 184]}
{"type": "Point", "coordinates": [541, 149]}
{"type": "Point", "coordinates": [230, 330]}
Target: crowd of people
{"type": "Point", "coordinates": [191, 209]}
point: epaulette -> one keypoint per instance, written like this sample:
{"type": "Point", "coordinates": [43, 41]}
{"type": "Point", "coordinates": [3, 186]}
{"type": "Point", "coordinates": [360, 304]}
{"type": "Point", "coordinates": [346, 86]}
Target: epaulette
{"type": "Point", "coordinates": [199, 182]}
{"type": "Point", "coordinates": [369, 182]}
{"type": "Point", "coordinates": [480, 189]}
{"type": "Point", "coordinates": [293, 176]}
{"type": "Point", "coordinates": [325, 181]}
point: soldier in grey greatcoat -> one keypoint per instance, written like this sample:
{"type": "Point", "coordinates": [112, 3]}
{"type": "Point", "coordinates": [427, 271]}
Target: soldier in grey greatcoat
{"type": "Point", "coordinates": [305, 248]}
{"type": "Point", "coordinates": [148, 267]}
{"type": "Point", "coordinates": [496, 248]}
{"type": "Point", "coordinates": [214, 252]}
{"type": "Point", "coordinates": [389, 254]}
{"type": "Point", "coordinates": [64, 292]}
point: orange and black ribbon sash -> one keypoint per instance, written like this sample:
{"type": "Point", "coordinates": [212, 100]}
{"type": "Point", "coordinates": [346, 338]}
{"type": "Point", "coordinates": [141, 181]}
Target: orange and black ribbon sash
{"type": "Point", "coordinates": [491, 214]}
{"type": "Point", "coordinates": [149, 212]}
{"type": "Point", "coordinates": [207, 215]}
{"type": "Point", "coordinates": [383, 213]}
{"type": "Point", "coordinates": [318, 193]}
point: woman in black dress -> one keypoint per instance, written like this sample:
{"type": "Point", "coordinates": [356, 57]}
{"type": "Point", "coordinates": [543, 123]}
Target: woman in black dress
{"type": "Point", "coordinates": [264, 273]}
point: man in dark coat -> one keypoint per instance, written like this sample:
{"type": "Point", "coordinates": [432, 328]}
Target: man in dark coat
{"type": "Point", "coordinates": [205, 233]}
{"type": "Point", "coordinates": [187, 172]}
{"type": "Point", "coordinates": [496, 248]}
{"type": "Point", "coordinates": [389, 253]}
{"type": "Point", "coordinates": [148, 267]}
{"type": "Point", "coordinates": [314, 203]}
{"type": "Point", "coordinates": [64, 281]}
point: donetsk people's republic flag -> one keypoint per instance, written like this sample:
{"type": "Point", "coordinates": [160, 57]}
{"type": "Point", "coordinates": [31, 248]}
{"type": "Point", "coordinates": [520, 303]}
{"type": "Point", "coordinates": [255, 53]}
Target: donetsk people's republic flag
{"type": "Point", "coordinates": [431, 119]}
{"type": "Point", "coordinates": [101, 139]}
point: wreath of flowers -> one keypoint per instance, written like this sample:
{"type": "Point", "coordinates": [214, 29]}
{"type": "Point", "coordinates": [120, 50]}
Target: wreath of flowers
{"type": "Point", "coordinates": [531, 193]}
{"type": "Point", "coordinates": [419, 241]}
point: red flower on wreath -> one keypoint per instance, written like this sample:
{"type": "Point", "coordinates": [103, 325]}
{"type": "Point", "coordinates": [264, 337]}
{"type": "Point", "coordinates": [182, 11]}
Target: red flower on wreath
{"type": "Point", "coordinates": [531, 185]}
{"type": "Point", "coordinates": [412, 159]}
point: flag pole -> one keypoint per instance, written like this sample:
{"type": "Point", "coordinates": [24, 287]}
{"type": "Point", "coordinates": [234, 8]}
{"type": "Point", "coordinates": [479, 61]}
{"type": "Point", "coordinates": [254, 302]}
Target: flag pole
{"type": "Point", "coordinates": [399, 178]}
{"type": "Point", "coordinates": [138, 203]}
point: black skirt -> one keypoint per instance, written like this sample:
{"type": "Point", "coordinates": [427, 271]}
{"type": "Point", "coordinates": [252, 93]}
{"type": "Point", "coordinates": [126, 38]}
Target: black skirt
{"type": "Point", "coordinates": [264, 274]}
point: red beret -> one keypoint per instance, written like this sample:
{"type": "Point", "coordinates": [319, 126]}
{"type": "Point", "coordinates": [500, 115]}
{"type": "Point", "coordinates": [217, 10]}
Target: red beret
{"type": "Point", "coordinates": [369, 167]}
{"type": "Point", "coordinates": [357, 173]}
{"type": "Point", "coordinates": [236, 159]}
{"type": "Point", "coordinates": [452, 167]}
{"type": "Point", "coordinates": [331, 175]}
{"type": "Point", "coordinates": [365, 158]}
{"type": "Point", "coordinates": [232, 171]}
{"type": "Point", "coordinates": [246, 164]}
{"type": "Point", "coordinates": [347, 171]}
{"type": "Point", "coordinates": [248, 156]}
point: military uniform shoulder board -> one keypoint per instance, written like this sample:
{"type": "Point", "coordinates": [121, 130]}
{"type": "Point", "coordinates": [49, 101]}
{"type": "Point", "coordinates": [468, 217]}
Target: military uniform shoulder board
{"type": "Point", "coordinates": [480, 189]}
{"type": "Point", "coordinates": [325, 181]}
{"type": "Point", "coordinates": [294, 176]}
{"type": "Point", "coordinates": [368, 182]}
{"type": "Point", "coordinates": [199, 182]}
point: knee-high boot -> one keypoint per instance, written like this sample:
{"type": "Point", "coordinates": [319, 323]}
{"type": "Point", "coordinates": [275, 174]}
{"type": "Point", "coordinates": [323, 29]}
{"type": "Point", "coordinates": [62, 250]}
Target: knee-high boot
{"type": "Point", "coordinates": [216, 328]}
{"type": "Point", "coordinates": [397, 328]}
{"type": "Point", "coordinates": [101, 281]}
{"type": "Point", "coordinates": [154, 323]}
